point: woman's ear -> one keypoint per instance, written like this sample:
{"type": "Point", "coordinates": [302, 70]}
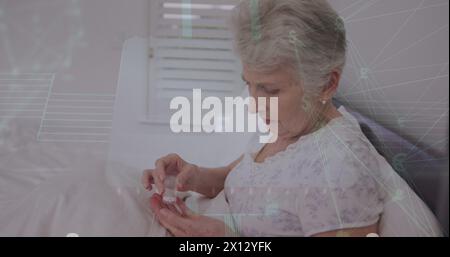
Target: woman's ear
{"type": "Point", "coordinates": [330, 89]}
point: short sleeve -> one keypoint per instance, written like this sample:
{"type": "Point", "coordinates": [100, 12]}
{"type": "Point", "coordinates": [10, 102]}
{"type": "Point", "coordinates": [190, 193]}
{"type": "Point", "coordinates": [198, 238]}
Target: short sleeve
{"type": "Point", "coordinates": [346, 193]}
{"type": "Point", "coordinates": [326, 209]}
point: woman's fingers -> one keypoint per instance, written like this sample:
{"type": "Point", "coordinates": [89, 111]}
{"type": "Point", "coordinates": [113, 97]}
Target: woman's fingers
{"type": "Point", "coordinates": [172, 229]}
{"type": "Point", "coordinates": [166, 216]}
{"type": "Point", "coordinates": [147, 179]}
{"type": "Point", "coordinates": [159, 175]}
{"type": "Point", "coordinates": [174, 219]}
{"type": "Point", "coordinates": [150, 177]}
{"type": "Point", "coordinates": [174, 209]}
{"type": "Point", "coordinates": [171, 163]}
{"type": "Point", "coordinates": [185, 178]}
{"type": "Point", "coordinates": [184, 209]}
{"type": "Point", "coordinates": [157, 203]}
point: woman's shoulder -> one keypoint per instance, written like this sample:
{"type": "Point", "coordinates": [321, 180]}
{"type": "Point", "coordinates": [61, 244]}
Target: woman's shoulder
{"type": "Point", "coordinates": [346, 141]}
{"type": "Point", "coordinates": [339, 156]}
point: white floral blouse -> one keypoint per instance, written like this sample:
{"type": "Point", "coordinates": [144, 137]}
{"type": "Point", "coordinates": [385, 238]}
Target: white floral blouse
{"type": "Point", "coordinates": [327, 180]}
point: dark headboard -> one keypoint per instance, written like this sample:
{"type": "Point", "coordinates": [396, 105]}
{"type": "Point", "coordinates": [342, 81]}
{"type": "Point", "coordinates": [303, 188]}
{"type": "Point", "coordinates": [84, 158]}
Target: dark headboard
{"type": "Point", "coordinates": [425, 173]}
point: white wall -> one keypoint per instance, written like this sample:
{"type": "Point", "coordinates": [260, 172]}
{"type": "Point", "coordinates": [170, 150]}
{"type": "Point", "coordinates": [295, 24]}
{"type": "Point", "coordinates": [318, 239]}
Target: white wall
{"type": "Point", "coordinates": [81, 40]}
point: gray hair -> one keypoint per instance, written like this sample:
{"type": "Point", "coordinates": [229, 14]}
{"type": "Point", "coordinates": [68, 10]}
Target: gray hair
{"type": "Point", "coordinates": [306, 35]}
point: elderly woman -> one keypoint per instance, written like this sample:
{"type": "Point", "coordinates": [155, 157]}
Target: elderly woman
{"type": "Point", "coordinates": [320, 177]}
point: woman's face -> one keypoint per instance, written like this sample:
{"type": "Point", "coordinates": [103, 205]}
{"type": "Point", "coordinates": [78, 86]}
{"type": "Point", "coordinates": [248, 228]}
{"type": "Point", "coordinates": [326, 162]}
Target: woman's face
{"type": "Point", "coordinates": [293, 109]}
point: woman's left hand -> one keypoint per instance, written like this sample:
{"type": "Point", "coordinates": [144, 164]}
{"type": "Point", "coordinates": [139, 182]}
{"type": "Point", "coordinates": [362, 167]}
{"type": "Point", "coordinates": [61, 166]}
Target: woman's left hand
{"type": "Point", "coordinates": [185, 222]}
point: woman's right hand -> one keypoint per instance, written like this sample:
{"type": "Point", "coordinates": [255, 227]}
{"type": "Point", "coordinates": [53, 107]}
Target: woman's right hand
{"type": "Point", "coordinates": [171, 165]}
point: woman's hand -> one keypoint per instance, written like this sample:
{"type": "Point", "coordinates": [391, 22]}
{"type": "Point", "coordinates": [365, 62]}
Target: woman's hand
{"type": "Point", "coordinates": [189, 177]}
{"type": "Point", "coordinates": [184, 222]}
{"type": "Point", "coordinates": [174, 165]}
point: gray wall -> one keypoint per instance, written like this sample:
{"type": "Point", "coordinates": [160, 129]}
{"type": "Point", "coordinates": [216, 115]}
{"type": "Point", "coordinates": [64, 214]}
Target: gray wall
{"type": "Point", "coordinates": [397, 70]}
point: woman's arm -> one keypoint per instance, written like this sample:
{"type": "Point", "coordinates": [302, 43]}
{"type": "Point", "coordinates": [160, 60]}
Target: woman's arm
{"type": "Point", "coordinates": [210, 181]}
{"type": "Point", "coordinates": [350, 232]}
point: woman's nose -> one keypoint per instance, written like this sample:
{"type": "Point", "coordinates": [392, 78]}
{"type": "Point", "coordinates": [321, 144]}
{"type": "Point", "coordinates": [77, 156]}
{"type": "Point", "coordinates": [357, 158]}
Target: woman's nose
{"type": "Point", "coordinates": [259, 105]}
{"type": "Point", "coordinates": [253, 106]}
{"type": "Point", "coordinates": [252, 92]}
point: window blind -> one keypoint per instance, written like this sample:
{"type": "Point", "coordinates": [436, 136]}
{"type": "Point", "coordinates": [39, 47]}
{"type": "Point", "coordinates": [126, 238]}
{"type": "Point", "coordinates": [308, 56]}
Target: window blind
{"type": "Point", "coordinates": [190, 47]}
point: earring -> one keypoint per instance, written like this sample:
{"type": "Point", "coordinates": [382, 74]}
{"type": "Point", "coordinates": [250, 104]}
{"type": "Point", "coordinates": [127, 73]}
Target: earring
{"type": "Point", "coordinates": [324, 102]}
